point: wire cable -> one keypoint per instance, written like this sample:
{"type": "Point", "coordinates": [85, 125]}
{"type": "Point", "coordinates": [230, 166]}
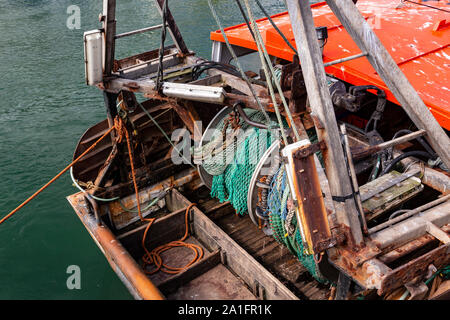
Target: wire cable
{"type": "Point", "coordinates": [165, 134]}
{"type": "Point", "coordinates": [241, 70]}
{"type": "Point", "coordinates": [263, 53]}
{"type": "Point", "coordinates": [275, 26]}
{"type": "Point", "coordinates": [403, 156]}
{"type": "Point", "coordinates": [426, 5]}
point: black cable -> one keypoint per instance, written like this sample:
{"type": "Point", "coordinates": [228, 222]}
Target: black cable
{"type": "Point", "coordinates": [245, 18]}
{"type": "Point", "coordinates": [403, 156]}
{"type": "Point", "coordinates": [238, 107]}
{"type": "Point", "coordinates": [205, 65]}
{"type": "Point", "coordinates": [424, 144]}
{"type": "Point", "coordinates": [275, 26]}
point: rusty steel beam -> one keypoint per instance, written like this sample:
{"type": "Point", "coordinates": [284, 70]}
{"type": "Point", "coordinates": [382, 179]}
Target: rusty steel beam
{"type": "Point", "coordinates": [311, 205]}
{"type": "Point", "coordinates": [118, 257]}
{"type": "Point", "coordinates": [437, 180]}
{"type": "Point", "coordinates": [368, 268]}
{"type": "Point", "coordinates": [418, 267]}
{"type": "Point", "coordinates": [412, 228]}
{"type": "Point", "coordinates": [388, 144]}
{"type": "Point", "coordinates": [410, 247]}
{"type": "Point", "coordinates": [410, 213]}
{"type": "Point", "coordinates": [380, 59]}
{"type": "Point", "coordinates": [310, 55]}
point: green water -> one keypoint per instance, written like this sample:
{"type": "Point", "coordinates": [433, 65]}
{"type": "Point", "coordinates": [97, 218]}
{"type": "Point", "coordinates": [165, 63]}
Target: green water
{"type": "Point", "coordinates": [44, 108]}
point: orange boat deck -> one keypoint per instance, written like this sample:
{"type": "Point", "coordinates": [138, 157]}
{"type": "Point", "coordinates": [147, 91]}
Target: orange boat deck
{"type": "Point", "coordinates": [416, 36]}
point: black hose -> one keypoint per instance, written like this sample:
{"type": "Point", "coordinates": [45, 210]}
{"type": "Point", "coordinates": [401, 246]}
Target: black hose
{"type": "Point", "coordinates": [205, 65]}
{"type": "Point", "coordinates": [424, 144]}
{"type": "Point", "coordinates": [238, 106]}
{"type": "Point", "coordinates": [276, 28]}
{"type": "Point", "coordinates": [403, 156]}
{"type": "Point", "coordinates": [245, 18]}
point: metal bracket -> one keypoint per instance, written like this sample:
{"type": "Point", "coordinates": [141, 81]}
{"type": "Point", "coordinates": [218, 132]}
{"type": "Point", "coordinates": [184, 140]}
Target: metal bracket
{"type": "Point", "coordinates": [309, 150]}
{"type": "Point", "coordinates": [417, 290]}
{"type": "Point", "coordinates": [258, 290]}
{"type": "Point", "coordinates": [325, 244]}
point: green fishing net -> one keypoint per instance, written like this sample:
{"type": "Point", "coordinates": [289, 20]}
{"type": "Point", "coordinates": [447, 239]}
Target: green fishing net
{"type": "Point", "coordinates": [233, 167]}
{"type": "Point", "coordinates": [232, 163]}
{"type": "Point", "coordinates": [279, 218]}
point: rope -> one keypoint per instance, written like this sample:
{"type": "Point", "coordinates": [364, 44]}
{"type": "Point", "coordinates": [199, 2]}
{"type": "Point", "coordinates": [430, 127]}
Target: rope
{"type": "Point", "coordinates": [265, 61]}
{"type": "Point", "coordinates": [241, 70]}
{"type": "Point", "coordinates": [82, 190]}
{"type": "Point", "coordinates": [238, 2]}
{"type": "Point", "coordinates": [444, 272]}
{"type": "Point", "coordinates": [276, 80]}
{"type": "Point", "coordinates": [154, 256]}
{"type": "Point", "coordinates": [233, 166]}
{"type": "Point", "coordinates": [275, 26]}
{"type": "Point", "coordinates": [266, 72]}
{"type": "Point", "coordinates": [164, 134]}
{"type": "Point", "coordinates": [56, 177]}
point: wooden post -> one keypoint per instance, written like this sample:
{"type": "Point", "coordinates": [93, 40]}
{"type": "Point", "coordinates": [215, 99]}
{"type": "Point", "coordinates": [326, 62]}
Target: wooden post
{"type": "Point", "coordinates": [109, 25]}
{"type": "Point", "coordinates": [173, 28]}
{"type": "Point", "coordinates": [320, 101]}
{"type": "Point", "coordinates": [398, 84]}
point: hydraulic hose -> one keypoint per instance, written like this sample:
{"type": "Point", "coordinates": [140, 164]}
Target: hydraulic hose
{"type": "Point", "coordinates": [406, 155]}
{"type": "Point", "coordinates": [419, 139]}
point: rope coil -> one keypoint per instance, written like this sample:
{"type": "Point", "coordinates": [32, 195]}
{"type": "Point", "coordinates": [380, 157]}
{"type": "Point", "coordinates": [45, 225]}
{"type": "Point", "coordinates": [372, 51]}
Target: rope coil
{"type": "Point", "coordinates": [154, 257]}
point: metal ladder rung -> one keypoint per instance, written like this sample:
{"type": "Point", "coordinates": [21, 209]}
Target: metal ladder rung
{"type": "Point", "coordinates": [356, 56]}
{"type": "Point", "coordinates": [437, 232]}
{"type": "Point", "coordinates": [388, 144]}
{"type": "Point", "coordinates": [126, 34]}
{"type": "Point", "coordinates": [148, 62]}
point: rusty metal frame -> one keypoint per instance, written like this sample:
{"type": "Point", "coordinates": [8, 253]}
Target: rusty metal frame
{"type": "Point", "coordinates": [108, 20]}
{"type": "Point", "coordinates": [307, 194]}
{"type": "Point", "coordinates": [120, 260]}
{"type": "Point", "coordinates": [357, 258]}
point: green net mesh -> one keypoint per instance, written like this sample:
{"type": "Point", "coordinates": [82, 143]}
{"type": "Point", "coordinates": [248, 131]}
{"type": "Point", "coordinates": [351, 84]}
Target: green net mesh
{"type": "Point", "coordinates": [278, 218]}
{"type": "Point", "coordinates": [249, 146]}
{"type": "Point", "coordinates": [232, 165]}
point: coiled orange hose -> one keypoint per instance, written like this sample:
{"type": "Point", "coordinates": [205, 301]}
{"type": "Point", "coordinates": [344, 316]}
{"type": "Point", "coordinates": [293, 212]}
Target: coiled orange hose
{"type": "Point", "coordinates": [154, 257]}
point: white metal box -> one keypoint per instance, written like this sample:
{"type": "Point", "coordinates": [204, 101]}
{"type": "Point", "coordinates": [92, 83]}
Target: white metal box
{"type": "Point", "coordinates": [194, 92]}
{"type": "Point", "coordinates": [93, 56]}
